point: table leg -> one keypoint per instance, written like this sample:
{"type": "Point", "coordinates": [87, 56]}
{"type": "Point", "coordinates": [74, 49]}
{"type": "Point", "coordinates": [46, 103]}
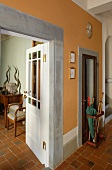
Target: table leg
{"type": "Point", "coordinates": [5, 117]}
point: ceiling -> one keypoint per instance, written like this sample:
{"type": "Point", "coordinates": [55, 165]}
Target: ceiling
{"type": "Point", "coordinates": [101, 8]}
{"type": "Point", "coordinates": [107, 14]}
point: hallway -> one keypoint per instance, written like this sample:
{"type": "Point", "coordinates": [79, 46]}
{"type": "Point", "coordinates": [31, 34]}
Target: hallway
{"type": "Point", "coordinates": [87, 157]}
{"type": "Point", "coordinates": [15, 154]}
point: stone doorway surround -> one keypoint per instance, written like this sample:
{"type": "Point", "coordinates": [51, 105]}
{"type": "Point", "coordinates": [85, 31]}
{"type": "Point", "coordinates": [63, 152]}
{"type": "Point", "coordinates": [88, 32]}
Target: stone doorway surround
{"type": "Point", "coordinates": [80, 52]}
{"type": "Point", "coordinates": [16, 21]}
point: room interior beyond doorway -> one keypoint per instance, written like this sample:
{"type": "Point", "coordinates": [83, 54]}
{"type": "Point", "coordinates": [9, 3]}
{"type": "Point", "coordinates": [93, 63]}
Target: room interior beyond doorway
{"type": "Point", "coordinates": [12, 52]}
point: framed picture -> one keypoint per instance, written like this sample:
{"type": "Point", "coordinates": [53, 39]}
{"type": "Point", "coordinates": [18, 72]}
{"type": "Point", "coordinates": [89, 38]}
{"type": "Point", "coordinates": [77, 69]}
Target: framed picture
{"type": "Point", "coordinates": [72, 73]}
{"type": "Point", "coordinates": [72, 57]}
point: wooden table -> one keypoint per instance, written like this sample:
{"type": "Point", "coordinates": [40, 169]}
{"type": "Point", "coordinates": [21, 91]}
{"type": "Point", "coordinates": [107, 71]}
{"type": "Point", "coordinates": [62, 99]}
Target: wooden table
{"type": "Point", "coordinates": [7, 99]}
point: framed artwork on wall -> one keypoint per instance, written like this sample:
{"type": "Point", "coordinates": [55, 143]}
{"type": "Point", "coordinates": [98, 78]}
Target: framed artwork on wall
{"type": "Point", "coordinates": [72, 73]}
{"type": "Point", "coordinates": [72, 57]}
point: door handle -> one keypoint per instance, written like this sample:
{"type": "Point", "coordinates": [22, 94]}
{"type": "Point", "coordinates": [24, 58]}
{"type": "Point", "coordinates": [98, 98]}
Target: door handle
{"type": "Point", "coordinates": [84, 100]}
{"type": "Point", "coordinates": [25, 92]}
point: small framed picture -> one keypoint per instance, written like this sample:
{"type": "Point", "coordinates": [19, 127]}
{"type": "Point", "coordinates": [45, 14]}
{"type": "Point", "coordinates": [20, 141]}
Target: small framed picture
{"type": "Point", "coordinates": [72, 73]}
{"type": "Point", "coordinates": [72, 57]}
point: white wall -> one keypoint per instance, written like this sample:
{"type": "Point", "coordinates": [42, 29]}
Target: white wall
{"type": "Point", "coordinates": [95, 3]}
{"type": "Point", "coordinates": [108, 58]}
{"type": "Point", "coordinates": [0, 58]}
{"type": "Point", "coordinates": [13, 53]}
{"type": "Point", "coordinates": [106, 32]}
{"type": "Point", "coordinates": [108, 70]}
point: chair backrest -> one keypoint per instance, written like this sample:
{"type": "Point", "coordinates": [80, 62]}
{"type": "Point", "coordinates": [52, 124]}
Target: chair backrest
{"type": "Point", "coordinates": [14, 106]}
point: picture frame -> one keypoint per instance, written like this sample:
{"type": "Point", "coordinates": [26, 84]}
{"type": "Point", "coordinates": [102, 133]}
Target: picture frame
{"type": "Point", "coordinates": [72, 57]}
{"type": "Point", "coordinates": [72, 73]}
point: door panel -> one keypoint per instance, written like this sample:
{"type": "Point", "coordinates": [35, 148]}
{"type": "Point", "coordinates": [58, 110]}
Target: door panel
{"type": "Point", "coordinates": [36, 100]}
{"type": "Point", "coordinates": [89, 89]}
{"type": "Point", "coordinates": [0, 59]}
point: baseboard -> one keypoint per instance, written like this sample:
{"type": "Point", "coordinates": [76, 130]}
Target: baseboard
{"type": "Point", "coordinates": [108, 119]}
{"type": "Point", "coordinates": [70, 142]}
{"type": "Point", "coordinates": [69, 148]}
{"type": "Point", "coordinates": [70, 135]}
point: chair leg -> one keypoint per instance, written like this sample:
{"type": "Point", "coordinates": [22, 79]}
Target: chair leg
{"type": "Point", "coordinates": [15, 128]}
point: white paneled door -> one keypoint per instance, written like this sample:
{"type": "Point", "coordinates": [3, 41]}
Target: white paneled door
{"type": "Point", "coordinates": [37, 105]}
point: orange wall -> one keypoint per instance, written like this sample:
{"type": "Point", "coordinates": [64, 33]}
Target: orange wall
{"type": "Point", "coordinates": [73, 20]}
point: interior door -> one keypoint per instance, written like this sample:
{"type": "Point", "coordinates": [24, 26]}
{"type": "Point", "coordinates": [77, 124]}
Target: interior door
{"type": "Point", "coordinates": [36, 84]}
{"type": "Point", "coordinates": [0, 57]}
{"type": "Point", "coordinates": [89, 89]}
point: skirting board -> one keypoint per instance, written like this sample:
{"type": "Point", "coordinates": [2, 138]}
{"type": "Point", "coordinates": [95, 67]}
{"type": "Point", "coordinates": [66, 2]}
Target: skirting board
{"type": "Point", "coordinates": [109, 118]}
{"type": "Point", "coordinates": [70, 143]}
{"type": "Point", "coordinates": [69, 148]}
{"type": "Point", "coordinates": [70, 135]}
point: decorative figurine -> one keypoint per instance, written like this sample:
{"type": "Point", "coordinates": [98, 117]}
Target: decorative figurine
{"type": "Point", "coordinates": [7, 76]}
{"type": "Point", "coordinates": [16, 76]}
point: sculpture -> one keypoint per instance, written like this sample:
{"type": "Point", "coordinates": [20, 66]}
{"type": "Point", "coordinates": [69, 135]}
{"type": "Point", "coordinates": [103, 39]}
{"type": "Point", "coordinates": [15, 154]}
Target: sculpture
{"type": "Point", "coordinates": [16, 76]}
{"type": "Point", "coordinates": [7, 75]}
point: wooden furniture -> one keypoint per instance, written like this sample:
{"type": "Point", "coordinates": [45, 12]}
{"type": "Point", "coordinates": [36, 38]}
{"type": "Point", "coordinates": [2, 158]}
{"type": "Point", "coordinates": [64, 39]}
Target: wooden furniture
{"type": "Point", "coordinates": [16, 116]}
{"type": "Point", "coordinates": [7, 99]}
{"type": "Point", "coordinates": [99, 136]}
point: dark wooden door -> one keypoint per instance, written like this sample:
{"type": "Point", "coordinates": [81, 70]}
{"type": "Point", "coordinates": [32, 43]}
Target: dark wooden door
{"type": "Point", "coordinates": [89, 89]}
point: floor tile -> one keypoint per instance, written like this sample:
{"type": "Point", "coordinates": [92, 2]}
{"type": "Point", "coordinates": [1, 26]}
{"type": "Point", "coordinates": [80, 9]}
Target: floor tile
{"type": "Point", "coordinates": [4, 151]}
{"type": "Point", "coordinates": [2, 159]}
{"type": "Point", "coordinates": [62, 166]}
{"type": "Point", "coordinates": [15, 149]}
{"type": "Point", "coordinates": [84, 167]}
{"type": "Point", "coordinates": [85, 161]}
{"type": "Point", "coordinates": [76, 164]}
{"type": "Point", "coordinates": [21, 162]}
{"type": "Point", "coordinates": [5, 166]}
{"type": "Point", "coordinates": [29, 165]}
{"type": "Point", "coordinates": [11, 158]}
{"type": "Point", "coordinates": [69, 167]}
{"type": "Point", "coordinates": [108, 167]}
{"type": "Point", "coordinates": [106, 158]}
{"type": "Point", "coordinates": [97, 167]}
{"type": "Point", "coordinates": [109, 152]}
{"type": "Point", "coordinates": [99, 152]}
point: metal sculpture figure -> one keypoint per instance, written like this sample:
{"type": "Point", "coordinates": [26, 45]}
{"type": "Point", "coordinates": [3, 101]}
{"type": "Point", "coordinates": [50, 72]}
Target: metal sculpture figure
{"type": "Point", "coordinates": [16, 76]}
{"type": "Point", "coordinates": [7, 75]}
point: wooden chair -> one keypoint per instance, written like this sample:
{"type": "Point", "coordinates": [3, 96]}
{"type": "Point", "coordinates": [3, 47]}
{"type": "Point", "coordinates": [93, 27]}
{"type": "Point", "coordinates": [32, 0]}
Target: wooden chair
{"type": "Point", "coordinates": [16, 113]}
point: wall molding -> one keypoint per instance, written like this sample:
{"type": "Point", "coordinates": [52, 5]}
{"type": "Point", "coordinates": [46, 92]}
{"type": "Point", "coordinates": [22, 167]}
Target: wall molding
{"type": "Point", "coordinates": [70, 135]}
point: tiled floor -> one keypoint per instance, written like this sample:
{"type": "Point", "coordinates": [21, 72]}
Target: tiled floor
{"type": "Point", "coordinates": [14, 153]}
{"type": "Point", "coordinates": [87, 157]}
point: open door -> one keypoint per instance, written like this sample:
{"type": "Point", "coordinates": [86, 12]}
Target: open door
{"type": "Point", "coordinates": [37, 101]}
{"type": "Point", "coordinates": [89, 89]}
{"type": "Point", "coordinates": [0, 56]}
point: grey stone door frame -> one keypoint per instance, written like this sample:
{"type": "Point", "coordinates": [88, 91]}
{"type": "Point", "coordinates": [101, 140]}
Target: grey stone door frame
{"type": "Point", "coordinates": [16, 21]}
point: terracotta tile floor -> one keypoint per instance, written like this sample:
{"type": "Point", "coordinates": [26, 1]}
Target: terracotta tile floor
{"type": "Point", "coordinates": [88, 157]}
{"type": "Point", "coordinates": [14, 153]}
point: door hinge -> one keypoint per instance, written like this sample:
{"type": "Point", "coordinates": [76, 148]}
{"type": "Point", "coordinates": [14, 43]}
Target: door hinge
{"type": "Point", "coordinates": [44, 145]}
{"type": "Point", "coordinates": [44, 58]}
